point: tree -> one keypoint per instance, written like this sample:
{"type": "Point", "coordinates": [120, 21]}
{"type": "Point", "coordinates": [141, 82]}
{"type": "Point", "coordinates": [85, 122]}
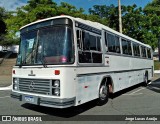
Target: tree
{"type": "Point", "coordinates": [133, 20]}
{"type": "Point", "coordinates": [2, 27]}
{"type": "Point", "coordinates": [2, 23]}
{"type": "Point", "coordinates": [39, 9]}
{"type": "Point", "coordinates": [152, 13]}
{"type": "Point", "coordinates": [34, 10]}
{"type": "Point", "coordinates": [67, 9]}
{"type": "Point", "coordinates": [109, 15]}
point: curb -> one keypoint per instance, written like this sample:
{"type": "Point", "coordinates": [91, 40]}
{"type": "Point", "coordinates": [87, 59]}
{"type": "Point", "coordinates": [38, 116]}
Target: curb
{"type": "Point", "coordinates": [6, 88]}
{"type": "Point", "coordinates": [156, 71]}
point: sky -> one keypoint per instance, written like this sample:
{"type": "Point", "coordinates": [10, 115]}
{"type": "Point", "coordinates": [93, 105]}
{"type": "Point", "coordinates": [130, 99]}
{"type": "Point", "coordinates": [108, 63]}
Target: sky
{"type": "Point", "coordinates": [86, 4]}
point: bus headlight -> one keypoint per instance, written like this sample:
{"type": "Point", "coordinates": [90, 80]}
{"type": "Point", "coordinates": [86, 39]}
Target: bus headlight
{"type": "Point", "coordinates": [15, 83]}
{"type": "Point", "coordinates": [56, 91]}
{"type": "Point", "coordinates": [56, 83]}
{"type": "Point", "coordinates": [56, 87]}
{"type": "Point", "coordinates": [15, 87]}
{"type": "Point", "coordinates": [15, 80]}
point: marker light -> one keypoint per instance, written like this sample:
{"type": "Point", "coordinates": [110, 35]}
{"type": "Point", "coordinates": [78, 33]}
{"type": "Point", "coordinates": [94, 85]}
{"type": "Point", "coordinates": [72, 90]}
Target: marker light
{"type": "Point", "coordinates": [57, 72]}
{"type": "Point", "coordinates": [14, 72]}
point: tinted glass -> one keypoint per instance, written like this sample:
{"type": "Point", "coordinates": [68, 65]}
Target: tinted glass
{"type": "Point", "coordinates": [51, 45]}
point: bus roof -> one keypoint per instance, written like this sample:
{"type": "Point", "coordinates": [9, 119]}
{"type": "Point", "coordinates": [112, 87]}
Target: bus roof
{"type": "Point", "coordinates": [90, 23]}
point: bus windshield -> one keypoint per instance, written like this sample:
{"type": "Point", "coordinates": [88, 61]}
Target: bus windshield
{"type": "Point", "coordinates": [50, 45]}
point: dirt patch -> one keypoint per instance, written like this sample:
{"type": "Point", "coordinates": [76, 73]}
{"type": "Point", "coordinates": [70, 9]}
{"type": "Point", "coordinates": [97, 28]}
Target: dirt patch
{"type": "Point", "coordinates": [5, 80]}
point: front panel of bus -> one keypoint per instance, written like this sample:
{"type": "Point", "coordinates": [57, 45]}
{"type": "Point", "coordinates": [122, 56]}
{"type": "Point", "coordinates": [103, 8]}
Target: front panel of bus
{"type": "Point", "coordinates": [39, 77]}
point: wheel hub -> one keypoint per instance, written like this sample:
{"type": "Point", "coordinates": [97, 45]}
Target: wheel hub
{"type": "Point", "coordinates": [103, 92]}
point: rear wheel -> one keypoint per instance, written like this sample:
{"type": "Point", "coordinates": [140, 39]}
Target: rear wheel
{"type": "Point", "coordinates": [145, 79]}
{"type": "Point", "coordinates": [103, 94]}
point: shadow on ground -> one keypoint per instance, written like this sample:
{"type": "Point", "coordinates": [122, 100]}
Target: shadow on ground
{"type": "Point", "coordinates": [155, 86]}
{"type": "Point", "coordinates": [73, 111]}
{"type": "Point", "coordinates": [65, 113]}
{"type": "Point", "coordinates": [112, 96]}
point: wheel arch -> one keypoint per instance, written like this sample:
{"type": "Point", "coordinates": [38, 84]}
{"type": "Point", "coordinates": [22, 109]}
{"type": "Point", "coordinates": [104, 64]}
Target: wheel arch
{"type": "Point", "coordinates": [109, 81]}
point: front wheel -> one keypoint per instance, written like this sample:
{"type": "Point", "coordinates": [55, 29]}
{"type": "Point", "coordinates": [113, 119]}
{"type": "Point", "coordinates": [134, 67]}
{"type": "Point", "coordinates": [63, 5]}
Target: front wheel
{"type": "Point", "coordinates": [103, 94]}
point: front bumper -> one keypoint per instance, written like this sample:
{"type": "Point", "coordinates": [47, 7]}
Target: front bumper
{"type": "Point", "coordinates": [43, 101]}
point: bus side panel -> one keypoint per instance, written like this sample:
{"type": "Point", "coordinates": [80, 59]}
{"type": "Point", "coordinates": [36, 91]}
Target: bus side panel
{"type": "Point", "coordinates": [87, 88]}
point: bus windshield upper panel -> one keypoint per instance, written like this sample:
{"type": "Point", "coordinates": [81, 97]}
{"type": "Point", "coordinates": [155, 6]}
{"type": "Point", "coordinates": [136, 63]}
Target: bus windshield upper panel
{"type": "Point", "coordinates": [49, 45]}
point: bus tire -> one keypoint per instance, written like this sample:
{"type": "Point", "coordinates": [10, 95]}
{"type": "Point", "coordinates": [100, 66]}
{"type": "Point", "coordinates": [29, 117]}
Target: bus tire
{"type": "Point", "coordinates": [145, 79]}
{"type": "Point", "coordinates": [103, 94]}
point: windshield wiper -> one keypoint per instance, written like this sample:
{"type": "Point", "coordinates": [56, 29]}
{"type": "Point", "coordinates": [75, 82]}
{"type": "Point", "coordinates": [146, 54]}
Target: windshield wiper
{"type": "Point", "coordinates": [43, 61]}
{"type": "Point", "coordinates": [24, 60]}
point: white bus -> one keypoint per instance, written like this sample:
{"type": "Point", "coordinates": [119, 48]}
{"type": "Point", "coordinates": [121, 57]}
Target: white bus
{"type": "Point", "coordinates": [65, 61]}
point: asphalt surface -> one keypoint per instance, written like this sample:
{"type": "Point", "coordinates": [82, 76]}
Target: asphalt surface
{"type": "Point", "coordinates": [135, 101]}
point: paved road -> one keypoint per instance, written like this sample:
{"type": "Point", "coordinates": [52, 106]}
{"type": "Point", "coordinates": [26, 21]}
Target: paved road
{"type": "Point", "coordinates": [137, 100]}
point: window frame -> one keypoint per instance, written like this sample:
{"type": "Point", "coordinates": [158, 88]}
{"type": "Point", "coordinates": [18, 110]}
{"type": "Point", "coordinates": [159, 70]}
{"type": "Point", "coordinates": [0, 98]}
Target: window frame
{"type": "Point", "coordinates": [127, 44]}
{"type": "Point", "coordinates": [143, 49]}
{"type": "Point", "coordinates": [115, 42]}
{"type": "Point", "coordinates": [137, 46]}
{"type": "Point", "coordinates": [150, 52]}
{"type": "Point", "coordinates": [83, 51]}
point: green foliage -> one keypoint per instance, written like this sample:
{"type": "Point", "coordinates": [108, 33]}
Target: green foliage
{"type": "Point", "coordinates": [2, 23]}
{"type": "Point", "coordinates": [108, 15]}
{"type": "Point", "coordinates": [134, 23]}
{"type": "Point", "coordinates": [2, 27]}
{"type": "Point", "coordinates": [138, 23]}
{"type": "Point", "coordinates": [39, 9]}
{"type": "Point", "coordinates": [6, 41]}
{"type": "Point", "coordinates": [156, 65]}
{"type": "Point", "coordinates": [152, 13]}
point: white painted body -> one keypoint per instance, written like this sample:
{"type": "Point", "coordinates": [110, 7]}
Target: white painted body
{"type": "Point", "coordinates": [82, 81]}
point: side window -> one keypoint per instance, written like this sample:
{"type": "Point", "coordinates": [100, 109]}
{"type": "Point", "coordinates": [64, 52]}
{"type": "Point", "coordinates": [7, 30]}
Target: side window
{"type": "Point", "coordinates": [97, 55]}
{"type": "Point", "coordinates": [84, 57]}
{"type": "Point", "coordinates": [92, 42]}
{"type": "Point", "coordinates": [136, 50]}
{"type": "Point", "coordinates": [117, 44]}
{"type": "Point", "coordinates": [85, 38]}
{"type": "Point", "coordinates": [149, 53]}
{"type": "Point", "coordinates": [95, 43]}
{"type": "Point", "coordinates": [98, 44]}
{"type": "Point", "coordinates": [129, 48]}
{"type": "Point", "coordinates": [143, 52]}
{"type": "Point", "coordinates": [113, 43]}
{"type": "Point", "coordinates": [78, 33]}
{"type": "Point", "coordinates": [106, 42]}
{"type": "Point", "coordinates": [91, 48]}
{"type": "Point", "coordinates": [126, 47]}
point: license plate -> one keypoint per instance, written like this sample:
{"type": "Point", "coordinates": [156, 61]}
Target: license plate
{"type": "Point", "coordinates": [29, 99]}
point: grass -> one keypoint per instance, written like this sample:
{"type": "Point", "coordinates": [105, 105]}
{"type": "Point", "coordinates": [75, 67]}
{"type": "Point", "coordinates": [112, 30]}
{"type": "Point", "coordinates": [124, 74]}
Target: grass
{"type": "Point", "coordinates": [156, 65]}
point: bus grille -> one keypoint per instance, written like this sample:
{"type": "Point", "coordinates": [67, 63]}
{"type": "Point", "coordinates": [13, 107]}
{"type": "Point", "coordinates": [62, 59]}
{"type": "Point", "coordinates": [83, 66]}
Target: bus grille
{"type": "Point", "coordinates": [40, 86]}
